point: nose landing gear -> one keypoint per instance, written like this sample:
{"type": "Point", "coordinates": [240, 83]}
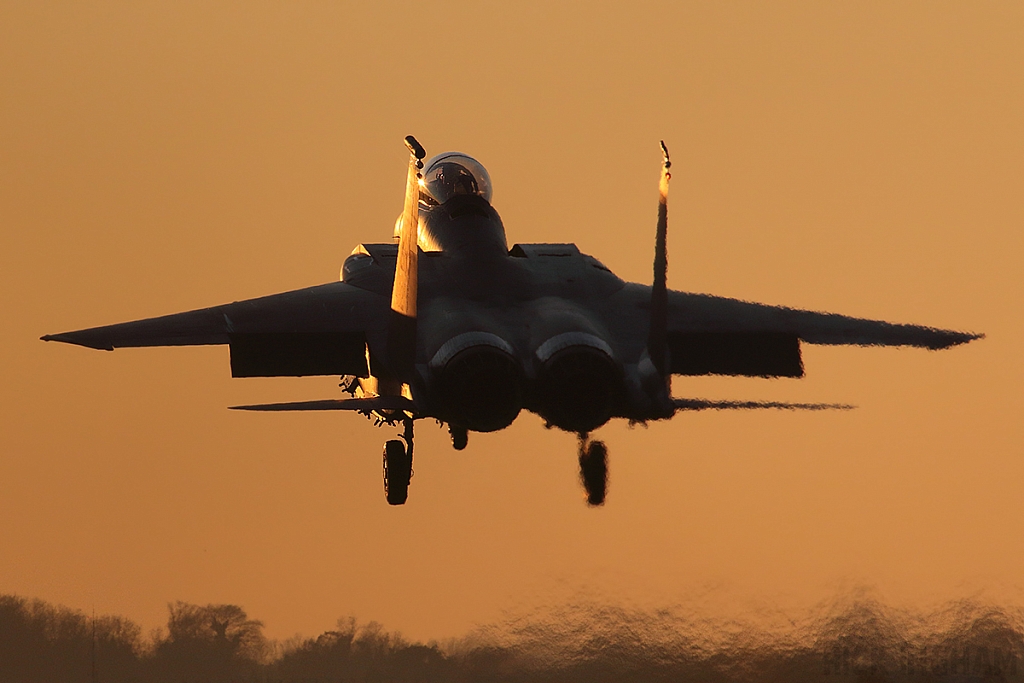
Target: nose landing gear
{"type": "Point", "coordinates": [398, 466]}
{"type": "Point", "coordinates": [593, 469]}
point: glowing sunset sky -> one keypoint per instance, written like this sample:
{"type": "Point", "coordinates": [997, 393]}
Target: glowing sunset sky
{"type": "Point", "coordinates": [866, 159]}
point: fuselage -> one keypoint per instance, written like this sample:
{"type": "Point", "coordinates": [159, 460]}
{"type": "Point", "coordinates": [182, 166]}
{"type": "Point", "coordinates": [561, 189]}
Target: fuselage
{"type": "Point", "coordinates": [501, 330]}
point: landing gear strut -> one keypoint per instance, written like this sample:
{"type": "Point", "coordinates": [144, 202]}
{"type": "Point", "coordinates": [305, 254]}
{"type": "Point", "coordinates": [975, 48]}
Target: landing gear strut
{"type": "Point", "coordinates": [398, 466]}
{"type": "Point", "coordinates": [593, 469]}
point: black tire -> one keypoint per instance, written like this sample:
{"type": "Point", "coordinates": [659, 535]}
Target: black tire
{"type": "Point", "coordinates": [460, 437]}
{"type": "Point", "coordinates": [594, 472]}
{"type": "Point", "coordinates": [397, 472]}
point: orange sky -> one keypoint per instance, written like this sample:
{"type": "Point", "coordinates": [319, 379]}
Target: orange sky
{"type": "Point", "coordinates": [156, 157]}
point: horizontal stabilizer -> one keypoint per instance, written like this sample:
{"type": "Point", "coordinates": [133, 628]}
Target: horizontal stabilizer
{"type": "Point", "coordinates": [705, 404]}
{"type": "Point", "coordinates": [363, 405]}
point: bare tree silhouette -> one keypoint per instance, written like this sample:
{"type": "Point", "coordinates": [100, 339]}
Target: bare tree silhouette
{"type": "Point", "coordinates": [211, 643]}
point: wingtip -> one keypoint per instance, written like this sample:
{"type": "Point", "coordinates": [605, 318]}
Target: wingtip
{"type": "Point", "coordinates": [956, 339]}
{"type": "Point", "coordinates": [262, 407]}
{"type": "Point", "coordinates": [74, 338]}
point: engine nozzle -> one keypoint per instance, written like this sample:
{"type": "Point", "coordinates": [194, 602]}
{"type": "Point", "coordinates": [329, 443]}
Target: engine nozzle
{"type": "Point", "coordinates": [480, 382]}
{"type": "Point", "coordinates": [576, 388]}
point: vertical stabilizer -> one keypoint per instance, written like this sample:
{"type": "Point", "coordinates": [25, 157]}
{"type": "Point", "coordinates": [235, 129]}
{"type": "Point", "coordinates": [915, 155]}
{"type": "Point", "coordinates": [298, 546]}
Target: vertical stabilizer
{"type": "Point", "coordinates": [401, 348]}
{"type": "Point", "coordinates": [657, 340]}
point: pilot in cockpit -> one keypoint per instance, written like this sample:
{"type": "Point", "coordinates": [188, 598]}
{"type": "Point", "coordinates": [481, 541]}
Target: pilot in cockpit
{"type": "Point", "coordinates": [460, 184]}
{"type": "Point", "coordinates": [453, 174]}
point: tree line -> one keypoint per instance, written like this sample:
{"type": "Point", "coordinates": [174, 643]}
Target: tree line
{"type": "Point", "coordinates": [859, 640]}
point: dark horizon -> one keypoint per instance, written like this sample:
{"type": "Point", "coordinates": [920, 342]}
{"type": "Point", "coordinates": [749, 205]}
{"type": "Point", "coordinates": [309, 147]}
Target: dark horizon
{"type": "Point", "coordinates": [854, 637]}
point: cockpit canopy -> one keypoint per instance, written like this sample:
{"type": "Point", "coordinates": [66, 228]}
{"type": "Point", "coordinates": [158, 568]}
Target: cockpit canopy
{"type": "Point", "coordinates": [451, 174]}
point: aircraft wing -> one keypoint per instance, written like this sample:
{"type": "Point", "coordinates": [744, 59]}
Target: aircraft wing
{"type": "Point", "coordinates": [717, 335]}
{"type": "Point", "coordinates": [318, 330]}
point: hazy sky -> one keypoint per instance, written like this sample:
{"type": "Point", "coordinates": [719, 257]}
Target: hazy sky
{"type": "Point", "coordinates": [863, 158]}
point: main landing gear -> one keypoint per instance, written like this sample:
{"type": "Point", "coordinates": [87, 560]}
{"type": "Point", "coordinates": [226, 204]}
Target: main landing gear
{"type": "Point", "coordinates": [398, 460]}
{"type": "Point", "coordinates": [398, 466]}
{"type": "Point", "coordinates": [593, 456]}
{"type": "Point", "coordinates": [593, 469]}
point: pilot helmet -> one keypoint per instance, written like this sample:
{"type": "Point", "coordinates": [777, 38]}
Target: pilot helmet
{"type": "Point", "coordinates": [454, 173]}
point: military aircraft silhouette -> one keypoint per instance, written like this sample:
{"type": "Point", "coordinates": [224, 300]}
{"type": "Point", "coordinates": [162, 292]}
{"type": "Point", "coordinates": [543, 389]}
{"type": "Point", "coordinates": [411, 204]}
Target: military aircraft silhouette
{"type": "Point", "coordinates": [451, 324]}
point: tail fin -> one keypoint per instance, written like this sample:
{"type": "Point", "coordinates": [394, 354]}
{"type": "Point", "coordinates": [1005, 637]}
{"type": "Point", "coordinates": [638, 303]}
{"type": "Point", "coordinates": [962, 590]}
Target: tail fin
{"type": "Point", "coordinates": [657, 340]}
{"type": "Point", "coordinates": [401, 348]}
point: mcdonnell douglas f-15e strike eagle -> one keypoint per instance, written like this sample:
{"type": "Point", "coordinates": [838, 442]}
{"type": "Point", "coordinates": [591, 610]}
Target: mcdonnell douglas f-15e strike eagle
{"type": "Point", "coordinates": [451, 324]}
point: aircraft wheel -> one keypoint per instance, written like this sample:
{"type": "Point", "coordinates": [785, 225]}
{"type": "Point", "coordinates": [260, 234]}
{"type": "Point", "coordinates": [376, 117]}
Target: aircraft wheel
{"type": "Point", "coordinates": [397, 472]}
{"type": "Point", "coordinates": [594, 471]}
{"type": "Point", "coordinates": [460, 437]}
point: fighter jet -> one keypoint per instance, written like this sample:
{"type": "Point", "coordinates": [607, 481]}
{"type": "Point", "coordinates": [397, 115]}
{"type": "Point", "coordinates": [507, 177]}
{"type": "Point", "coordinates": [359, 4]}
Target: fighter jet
{"type": "Point", "coordinates": [449, 323]}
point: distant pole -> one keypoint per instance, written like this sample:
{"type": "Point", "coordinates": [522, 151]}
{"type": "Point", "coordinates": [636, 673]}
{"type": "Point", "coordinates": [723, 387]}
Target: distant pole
{"type": "Point", "coordinates": [94, 679]}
